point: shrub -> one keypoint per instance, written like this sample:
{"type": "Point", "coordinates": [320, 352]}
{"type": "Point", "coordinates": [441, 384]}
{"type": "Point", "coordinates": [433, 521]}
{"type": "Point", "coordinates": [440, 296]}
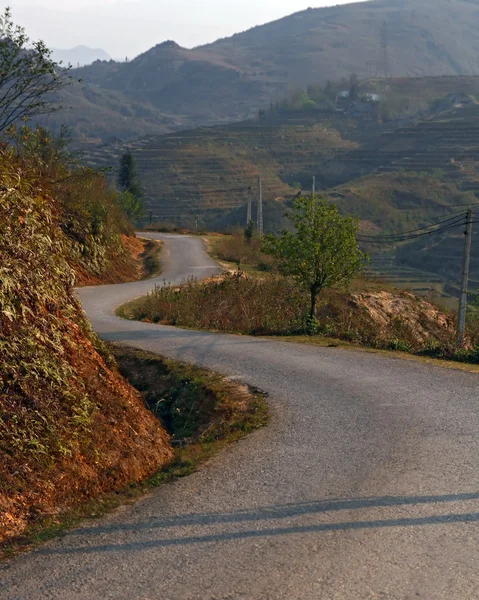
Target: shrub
{"type": "Point", "coordinates": [241, 250]}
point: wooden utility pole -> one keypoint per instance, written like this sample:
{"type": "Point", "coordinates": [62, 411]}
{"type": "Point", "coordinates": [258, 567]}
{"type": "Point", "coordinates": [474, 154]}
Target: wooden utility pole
{"type": "Point", "coordinates": [461, 318]}
{"type": "Point", "coordinates": [260, 224]}
{"type": "Point", "coordinates": [314, 185]}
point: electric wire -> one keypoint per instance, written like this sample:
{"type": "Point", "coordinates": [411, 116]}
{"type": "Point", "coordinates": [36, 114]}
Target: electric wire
{"type": "Point", "coordinates": [413, 237]}
{"type": "Point", "coordinates": [450, 220]}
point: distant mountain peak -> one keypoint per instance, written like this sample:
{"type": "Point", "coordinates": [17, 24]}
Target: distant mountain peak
{"type": "Point", "coordinates": [168, 45]}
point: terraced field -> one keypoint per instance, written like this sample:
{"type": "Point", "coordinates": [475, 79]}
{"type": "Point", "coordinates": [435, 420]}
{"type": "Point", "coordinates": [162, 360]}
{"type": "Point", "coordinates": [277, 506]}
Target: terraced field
{"type": "Point", "coordinates": [447, 143]}
{"type": "Point", "coordinates": [394, 180]}
{"type": "Point", "coordinates": [429, 285]}
{"type": "Point", "coordinates": [208, 172]}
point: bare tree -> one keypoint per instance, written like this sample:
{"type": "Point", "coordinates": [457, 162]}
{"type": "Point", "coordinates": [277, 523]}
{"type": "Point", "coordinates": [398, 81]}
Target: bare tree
{"type": "Point", "coordinates": [29, 78]}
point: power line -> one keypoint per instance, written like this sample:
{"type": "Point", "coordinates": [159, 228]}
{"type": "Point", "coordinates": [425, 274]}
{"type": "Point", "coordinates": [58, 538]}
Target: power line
{"type": "Point", "coordinates": [449, 220]}
{"type": "Point", "coordinates": [412, 237]}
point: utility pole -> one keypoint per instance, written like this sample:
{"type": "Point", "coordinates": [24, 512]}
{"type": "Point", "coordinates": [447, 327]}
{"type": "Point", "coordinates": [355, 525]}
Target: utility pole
{"type": "Point", "coordinates": [249, 213]}
{"type": "Point", "coordinates": [461, 318]}
{"type": "Point", "coordinates": [385, 48]}
{"type": "Point", "coordinates": [314, 185]}
{"type": "Point", "coordinates": [260, 224]}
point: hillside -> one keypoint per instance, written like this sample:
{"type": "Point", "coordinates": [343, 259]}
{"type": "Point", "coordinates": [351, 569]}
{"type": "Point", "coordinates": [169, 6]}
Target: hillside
{"type": "Point", "coordinates": [390, 176]}
{"type": "Point", "coordinates": [206, 172]}
{"type": "Point", "coordinates": [234, 77]}
{"type": "Point", "coordinates": [97, 115]}
{"type": "Point", "coordinates": [71, 428]}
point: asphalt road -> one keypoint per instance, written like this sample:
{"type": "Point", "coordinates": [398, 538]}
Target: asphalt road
{"type": "Point", "coordinates": [364, 486]}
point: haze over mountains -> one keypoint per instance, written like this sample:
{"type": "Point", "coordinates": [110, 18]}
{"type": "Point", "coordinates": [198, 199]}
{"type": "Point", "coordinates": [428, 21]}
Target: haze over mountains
{"type": "Point", "coordinates": [234, 77]}
{"type": "Point", "coordinates": [79, 56]}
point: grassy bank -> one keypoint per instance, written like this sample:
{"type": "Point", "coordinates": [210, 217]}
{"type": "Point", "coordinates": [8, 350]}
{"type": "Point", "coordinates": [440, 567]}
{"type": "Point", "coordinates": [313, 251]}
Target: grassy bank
{"type": "Point", "coordinates": [202, 412]}
{"type": "Point", "coordinates": [150, 258]}
{"type": "Point", "coordinates": [367, 315]}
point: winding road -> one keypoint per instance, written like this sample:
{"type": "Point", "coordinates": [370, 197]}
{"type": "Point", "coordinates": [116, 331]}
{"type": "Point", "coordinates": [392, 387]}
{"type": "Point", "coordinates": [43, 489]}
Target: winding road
{"type": "Point", "coordinates": [365, 485]}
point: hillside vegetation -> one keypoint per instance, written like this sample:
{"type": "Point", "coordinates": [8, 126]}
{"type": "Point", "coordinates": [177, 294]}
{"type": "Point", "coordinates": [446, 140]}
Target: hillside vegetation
{"type": "Point", "coordinates": [391, 179]}
{"type": "Point", "coordinates": [70, 427]}
{"type": "Point", "coordinates": [96, 115]}
{"type": "Point", "coordinates": [367, 315]}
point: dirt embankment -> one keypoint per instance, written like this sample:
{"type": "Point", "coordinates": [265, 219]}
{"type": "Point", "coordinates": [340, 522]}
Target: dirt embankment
{"type": "Point", "coordinates": [403, 314]}
{"type": "Point", "coordinates": [71, 428]}
{"type": "Point", "coordinates": [136, 259]}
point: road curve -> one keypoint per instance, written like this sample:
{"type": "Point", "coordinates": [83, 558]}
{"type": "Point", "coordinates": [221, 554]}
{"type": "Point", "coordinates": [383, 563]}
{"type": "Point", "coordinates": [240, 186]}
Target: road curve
{"type": "Point", "coordinates": [364, 486]}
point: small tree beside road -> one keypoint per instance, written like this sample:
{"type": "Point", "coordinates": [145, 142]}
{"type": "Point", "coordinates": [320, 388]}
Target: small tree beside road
{"type": "Point", "coordinates": [321, 252]}
{"type": "Point", "coordinates": [132, 196]}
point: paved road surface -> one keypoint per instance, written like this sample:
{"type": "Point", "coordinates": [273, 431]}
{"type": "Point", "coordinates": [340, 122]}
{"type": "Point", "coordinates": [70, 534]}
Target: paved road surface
{"type": "Point", "coordinates": [364, 486]}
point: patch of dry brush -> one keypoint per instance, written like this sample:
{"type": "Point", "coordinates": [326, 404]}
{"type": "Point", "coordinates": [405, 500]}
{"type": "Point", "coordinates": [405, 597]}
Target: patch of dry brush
{"type": "Point", "coordinates": [70, 427]}
{"type": "Point", "coordinates": [274, 305]}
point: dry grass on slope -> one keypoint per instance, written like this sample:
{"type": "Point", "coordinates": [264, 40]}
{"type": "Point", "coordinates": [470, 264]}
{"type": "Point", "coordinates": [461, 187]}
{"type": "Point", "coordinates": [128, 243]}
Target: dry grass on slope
{"type": "Point", "coordinates": [273, 305]}
{"type": "Point", "coordinates": [138, 259]}
{"type": "Point", "coordinates": [70, 427]}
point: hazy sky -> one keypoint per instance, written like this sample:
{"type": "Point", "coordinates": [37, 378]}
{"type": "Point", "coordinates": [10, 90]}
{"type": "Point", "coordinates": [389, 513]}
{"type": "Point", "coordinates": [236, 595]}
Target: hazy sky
{"type": "Point", "coordinates": [128, 27]}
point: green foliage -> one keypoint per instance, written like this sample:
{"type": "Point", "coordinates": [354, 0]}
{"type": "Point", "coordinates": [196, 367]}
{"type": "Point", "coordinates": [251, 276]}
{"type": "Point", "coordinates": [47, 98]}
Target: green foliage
{"type": "Point", "coordinates": [132, 206]}
{"type": "Point", "coordinates": [128, 180]}
{"type": "Point", "coordinates": [399, 345]}
{"type": "Point", "coordinates": [132, 197]}
{"type": "Point", "coordinates": [299, 100]}
{"type": "Point", "coordinates": [322, 252]}
{"type": "Point", "coordinates": [29, 77]}
{"type": "Point", "coordinates": [128, 177]}
{"type": "Point", "coordinates": [249, 232]}
{"type": "Point", "coordinates": [91, 218]}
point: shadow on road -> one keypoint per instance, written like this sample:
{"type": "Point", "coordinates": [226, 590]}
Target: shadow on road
{"type": "Point", "coordinates": [272, 513]}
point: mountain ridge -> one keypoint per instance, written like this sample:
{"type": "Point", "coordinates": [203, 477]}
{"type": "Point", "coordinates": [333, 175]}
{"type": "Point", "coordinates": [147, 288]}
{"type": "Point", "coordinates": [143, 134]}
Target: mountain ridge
{"type": "Point", "coordinates": [232, 78]}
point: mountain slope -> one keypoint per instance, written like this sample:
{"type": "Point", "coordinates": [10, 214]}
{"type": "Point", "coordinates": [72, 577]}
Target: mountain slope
{"type": "Point", "coordinates": [96, 114]}
{"type": "Point", "coordinates": [233, 77]}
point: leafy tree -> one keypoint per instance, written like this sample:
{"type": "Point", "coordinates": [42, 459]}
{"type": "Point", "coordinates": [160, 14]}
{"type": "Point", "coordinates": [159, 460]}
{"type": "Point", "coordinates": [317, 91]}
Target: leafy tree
{"type": "Point", "coordinates": [329, 91]}
{"type": "Point", "coordinates": [128, 179]}
{"type": "Point", "coordinates": [321, 252]}
{"type": "Point", "coordinates": [249, 232]}
{"type": "Point", "coordinates": [132, 206]}
{"type": "Point", "coordinates": [132, 197]}
{"type": "Point", "coordinates": [29, 78]}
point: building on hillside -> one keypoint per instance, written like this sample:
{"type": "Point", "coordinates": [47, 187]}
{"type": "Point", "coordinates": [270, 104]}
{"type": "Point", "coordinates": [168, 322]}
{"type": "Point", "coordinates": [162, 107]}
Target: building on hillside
{"type": "Point", "coordinates": [373, 97]}
{"type": "Point", "coordinates": [362, 109]}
